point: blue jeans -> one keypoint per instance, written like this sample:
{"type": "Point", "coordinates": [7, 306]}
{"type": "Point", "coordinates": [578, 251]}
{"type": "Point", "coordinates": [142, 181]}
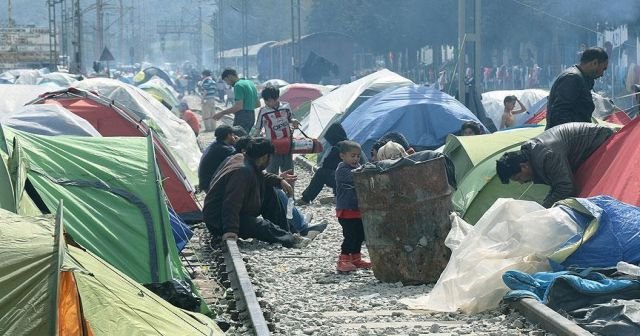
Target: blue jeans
{"type": "Point", "coordinates": [297, 224]}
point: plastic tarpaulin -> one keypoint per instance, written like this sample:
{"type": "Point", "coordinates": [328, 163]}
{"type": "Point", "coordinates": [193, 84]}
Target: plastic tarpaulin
{"type": "Point", "coordinates": [48, 119]}
{"type": "Point", "coordinates": [174, 131]}
{"type": "Point", "coordinates": [424, 115]}
{"type": "Point", "coordinates": [493, 102]}
{"type": "Point", "coordinates": [512, 235]}
{"type": "Point", "coordinates": [162, 91]}
{"type": "Point", "coordinates": [181, 231]}
{"type": "Point", "coordinates": [613, 168]}
{"type": "Point", "coordinates": [604, 107]}
{"type": "Point", "coordinates": [612, 233]}
{"type": "Point", "coordinates": [329, 108]}
{"type": "Point", "coordinates": [14, 97]}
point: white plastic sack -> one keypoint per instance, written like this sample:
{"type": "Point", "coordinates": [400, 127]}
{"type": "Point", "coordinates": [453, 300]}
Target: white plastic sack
{"type": "Point", "coordinates": [512, 235]}
{"type": "Point", "coordinates": [459, 230]}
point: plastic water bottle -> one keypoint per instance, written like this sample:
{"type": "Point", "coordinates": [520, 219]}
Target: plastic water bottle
{"type": "Point", "coordinates": [290, 208]}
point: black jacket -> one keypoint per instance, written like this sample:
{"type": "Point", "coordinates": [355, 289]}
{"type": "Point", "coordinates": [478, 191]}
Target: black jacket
{"type": "Point", "coordinates": [570, 98]}
{"type": "Point", "coordinates": [334, 134]}
{"type": "Point", "coordinates": [236, 189]}
{"type": "Point", "coordinates": [557, 153]}
{"type": "Point", "coordinates": [213, 156]}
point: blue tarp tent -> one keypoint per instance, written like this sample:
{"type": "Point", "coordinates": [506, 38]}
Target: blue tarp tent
{"type": "Point", "coordinates": [611, 233]}
{"type": "Point", "coordinates": [424, 115]}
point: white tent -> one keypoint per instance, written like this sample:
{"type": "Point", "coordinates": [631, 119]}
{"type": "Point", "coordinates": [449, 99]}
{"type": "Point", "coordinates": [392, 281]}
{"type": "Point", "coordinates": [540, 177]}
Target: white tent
{"type": "Point", "coordinates": [493, 103]}
{"type": "Point", "coordinates": [14, 97]}
{"type": "Point", "coordinates": [175, 132]}
{"type": "Point", "coordinates": [48, 119]}
{"type": "Point", "coordinates": [332, 106]}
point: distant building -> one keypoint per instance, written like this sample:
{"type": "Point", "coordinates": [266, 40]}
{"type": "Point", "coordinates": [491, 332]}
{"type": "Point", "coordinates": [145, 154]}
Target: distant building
{"type": "Point", "coordinates": [23, 47]}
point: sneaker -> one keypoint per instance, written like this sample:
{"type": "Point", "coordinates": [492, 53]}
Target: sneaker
{"type": "Point", "coordinates": [344, 264]}
{"type": "Point", "coordinates": [314, 230]}
{"type": "Point", "coordinates": [358, 262]}
{"type": "Point", "coordinates": [300, 242]}
{"type": "Point", "coordinates": [308, 218]}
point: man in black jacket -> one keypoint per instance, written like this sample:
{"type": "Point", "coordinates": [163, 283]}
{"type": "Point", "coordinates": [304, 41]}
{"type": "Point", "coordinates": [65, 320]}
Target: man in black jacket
{"type": "Point", "coordinates": [570, 96]}
{"type": "Point", "coordinates": [235, 200]}
{"type": "Point", "coordinates": [552, 157]}
{"type": "Point", "coordinates": [216, 153]}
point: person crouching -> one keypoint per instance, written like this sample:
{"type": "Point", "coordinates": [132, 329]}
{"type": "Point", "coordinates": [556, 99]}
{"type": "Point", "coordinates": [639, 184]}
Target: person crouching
{"type": "Point", "coordinates": [347, 209]}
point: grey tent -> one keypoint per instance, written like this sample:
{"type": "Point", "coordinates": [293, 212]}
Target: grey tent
{"type": "Point", "coordinates": [48, 119]}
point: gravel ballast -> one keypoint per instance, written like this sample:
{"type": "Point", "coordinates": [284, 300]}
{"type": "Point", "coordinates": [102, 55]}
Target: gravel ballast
{"type": "Point", "coordinates": [306, 296]}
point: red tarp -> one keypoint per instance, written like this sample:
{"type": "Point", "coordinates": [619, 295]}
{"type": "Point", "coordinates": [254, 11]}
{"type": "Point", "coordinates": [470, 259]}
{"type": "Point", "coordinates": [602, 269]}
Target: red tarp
{"type": "Point", "coordinates": [619, 117]}
{"type": "Point", "coordinates": [538, 116]}
{"type": "Point", "coordinates": [614, 168]}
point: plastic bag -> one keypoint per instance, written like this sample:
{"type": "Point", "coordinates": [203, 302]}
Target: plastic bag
{"type": "Point", "coordinates": [512, 235]}
{"type": "Point", "coordinates": [459, 230]}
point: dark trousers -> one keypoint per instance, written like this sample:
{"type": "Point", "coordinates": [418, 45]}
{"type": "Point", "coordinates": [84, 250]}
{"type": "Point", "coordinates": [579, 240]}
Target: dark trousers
{"type": "Point", "coordinates": [321, 178]}
{"type": "Point", "coordinates": [245, 119]}
{"type": "Point", "coordinates": [272, 227]}
{"type": "Point", "coordinates": [353, 233]}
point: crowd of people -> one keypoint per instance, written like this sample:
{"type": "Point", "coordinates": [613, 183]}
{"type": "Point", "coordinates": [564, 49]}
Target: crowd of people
{"type": "Point", "coordinates": [249, 182]}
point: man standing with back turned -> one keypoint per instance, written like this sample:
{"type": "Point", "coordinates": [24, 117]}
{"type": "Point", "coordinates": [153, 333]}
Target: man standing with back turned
{"type": "Point", "coordinates": [570, 96]}
{"type": "Point", "coordinates": [246, 97]}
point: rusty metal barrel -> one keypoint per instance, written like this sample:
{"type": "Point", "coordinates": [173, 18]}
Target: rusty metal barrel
{"type": "Point", "coordinates": [405, 212]}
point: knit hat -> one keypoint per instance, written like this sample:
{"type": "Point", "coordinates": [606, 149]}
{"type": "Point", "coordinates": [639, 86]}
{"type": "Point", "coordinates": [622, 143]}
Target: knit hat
{"type": "Point", "coordinates": [391, 151]}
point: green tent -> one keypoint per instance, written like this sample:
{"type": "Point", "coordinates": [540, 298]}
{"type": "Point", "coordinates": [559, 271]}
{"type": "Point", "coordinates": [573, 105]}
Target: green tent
{"type": "Point", "coordinates": [13, 177]}
{"type": "Point", "coordinates": [49, 288]}
{"type": "Point", "coordinates": [467, 151]}
{"type": "Point", "coordinates": [115, 204]}
{"type": "Point", "coordinates": [480, 188]}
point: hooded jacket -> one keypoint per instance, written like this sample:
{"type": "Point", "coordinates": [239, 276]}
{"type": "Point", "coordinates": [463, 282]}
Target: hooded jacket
{"type": "Point", "coordinates": [335, 133]}
{"type": "Point", "coordinates": [570, 98]}
{"type": "Point", "coordinates": [557, 153]}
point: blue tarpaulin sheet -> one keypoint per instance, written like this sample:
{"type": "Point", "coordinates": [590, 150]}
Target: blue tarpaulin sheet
{"type": "Point", "coordinates": [424, 115]}
{"type": "Point", "coordinates": [617, 237]}
{"type": "Point", "coordinates": [181, 231]}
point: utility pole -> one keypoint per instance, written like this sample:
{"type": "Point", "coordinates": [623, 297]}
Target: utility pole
{"type": "Point", "coordinates": [9, 14]}
{"type": "Point", "coordinates": [99, 27]}
{"type": "Point", "coordinates": [121, 31]}
{"type": "Point", "coordinates": [53, 52]}
{"type": "Point", "coordinates": [199, 37]}
{"type": "Point", "coordinates": [221, 33]}
{"type": "Point", "coordinates": [299, 47]}
{"type": "Point", "coordinates": [468, 35]}
{"type": "Point", "coordinates": [132, 35]}
{"type": "Point", "coordinates": [77, 44]}
{"type": "Point", "coordinates": [293, 43]}
{"type": "Point", "coordinates": [245, 46]}
{"type": "Point", "coordinates": [63, 29]}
